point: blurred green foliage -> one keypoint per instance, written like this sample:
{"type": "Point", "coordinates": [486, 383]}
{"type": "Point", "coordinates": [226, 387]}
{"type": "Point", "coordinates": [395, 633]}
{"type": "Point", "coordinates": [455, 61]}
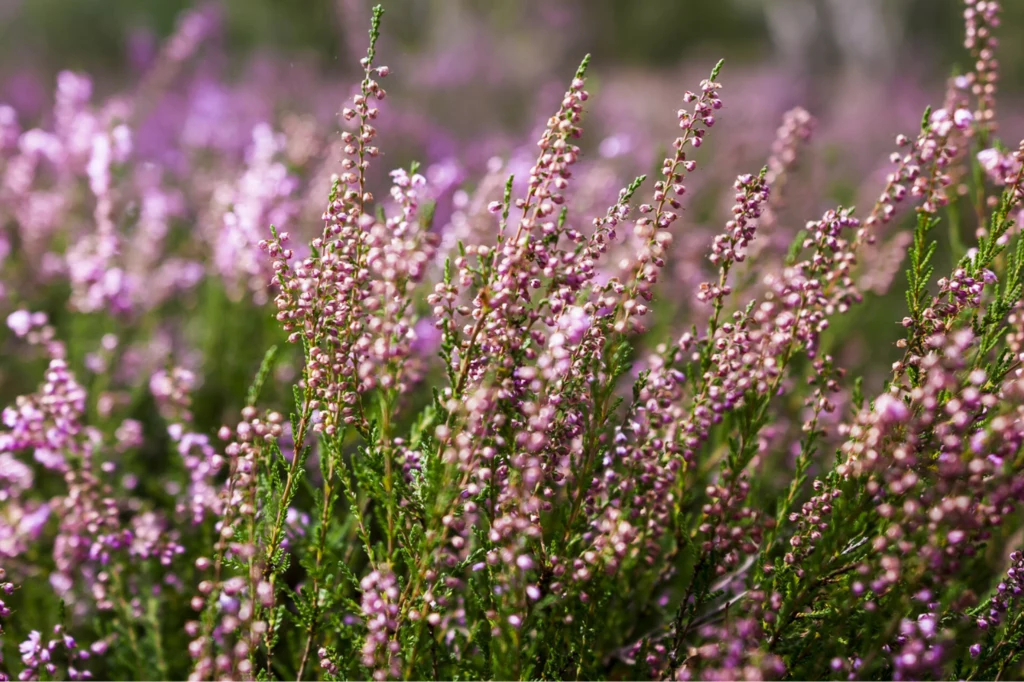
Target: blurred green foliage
{"type": "Point", "coordinates": [90, 34]}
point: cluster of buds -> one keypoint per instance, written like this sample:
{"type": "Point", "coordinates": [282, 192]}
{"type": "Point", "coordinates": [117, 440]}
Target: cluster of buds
{"type": "Point", "coordinates": [236, 601]}
{"type": "Point", "coordinates": [981, 18]}
{"type": "Point", "coordinates": [923, 171]}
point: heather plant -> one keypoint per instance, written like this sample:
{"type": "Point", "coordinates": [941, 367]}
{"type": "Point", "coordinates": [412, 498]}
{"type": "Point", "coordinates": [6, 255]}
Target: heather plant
{"type": "Point", "coordinates": [550, 431]}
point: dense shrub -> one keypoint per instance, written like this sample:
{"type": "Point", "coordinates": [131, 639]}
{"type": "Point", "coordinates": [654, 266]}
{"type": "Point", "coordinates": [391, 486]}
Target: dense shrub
{"type": "Point", "coordinates": [489, 442]}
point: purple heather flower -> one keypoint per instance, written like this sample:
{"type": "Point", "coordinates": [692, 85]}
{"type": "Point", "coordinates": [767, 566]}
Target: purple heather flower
{"type": "Point", "coordinates": [990, 159]}
{"type": "Point", "coordinates": [890, 409]}
{"type": "Point", "coordinates": [427, 338]}
{"type": "Point", "coordinates": [573, 324]}
{"type": "Point", "coordinates": [962, 118]}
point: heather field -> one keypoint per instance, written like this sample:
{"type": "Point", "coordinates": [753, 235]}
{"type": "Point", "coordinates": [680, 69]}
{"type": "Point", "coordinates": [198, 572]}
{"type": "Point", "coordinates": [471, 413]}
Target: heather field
{"type": "Point", "coordinates": [576, 339]}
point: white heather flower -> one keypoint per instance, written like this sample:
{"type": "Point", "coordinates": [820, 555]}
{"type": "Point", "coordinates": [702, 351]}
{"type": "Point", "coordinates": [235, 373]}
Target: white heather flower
{"type": "Point", "coordinates": [19, 322]}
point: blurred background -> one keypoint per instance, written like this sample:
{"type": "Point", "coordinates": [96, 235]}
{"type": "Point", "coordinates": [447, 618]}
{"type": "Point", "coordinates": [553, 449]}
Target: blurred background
{"type": "Point", "coordinates": [475, 78]}
{"type": "Point", "coordinates": [471, 83]}
{"type": "Point", "coordinates": [468, 71]}
{"type": "Point", "coordinates": [816, 38]}
{"type": "Point", "coordinates": [484, 56]}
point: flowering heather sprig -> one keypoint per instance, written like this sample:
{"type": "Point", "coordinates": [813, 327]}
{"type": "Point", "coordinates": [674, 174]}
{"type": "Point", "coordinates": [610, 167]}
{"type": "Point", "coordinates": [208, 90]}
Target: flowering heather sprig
{"type": "Point", "coordinates": [97, 536]}
{"type": "Point", "coordinates": [6, 590]}
{"type": "Point", "coordinates": [35, 329]}
{"type": "Point", "coordinates": [231, 624]}
{"type": "Point", "coordinates": [751, 352]}
{"type": "Point", "coordinates": [261, 196]}
{"type": "Point", "coordinates": [981, 18]}
{"type": "Point", "coordinates": [48, 422]}
{"type": "Point", "coordinates": [796, 129]}
{"type": "Point", "coordinates": [999, 621]}
{"type": "Point", "coordinates": [919, 649]}
{"type": "Point", "coordinates": [97, 282]}
{"type": "Point", "coordinates": [941, 501]}
{"type": "Point", "coordinates": [931, 519]}
{"type": "Point", "coordinates": [961, 292]}
{"type": "Point", "coordinates": [795, 132]}
{"type": "Point", "coordinates": [43, 659]}
{"type": "Point", "coordinates": [1004, 170]}
{"type": "Point", "coordinates": [24, 519]}
{"type": "Point", "coordinates": [730, 650]}
{"type": "Point", "coordinates": [921, 172]}
{"type": "Point", "coordinates": [192, 27]}
{"type": "Point", "coordinates": [380, 609]}
{"type": "Point", "coordinates": [171, 390]}
{"type": "Point", "coordinates": [997, 165]}
{"type": "Point", "coordinates": [503, 303]}
{"type": "Point", "coordinates": [100, 254]}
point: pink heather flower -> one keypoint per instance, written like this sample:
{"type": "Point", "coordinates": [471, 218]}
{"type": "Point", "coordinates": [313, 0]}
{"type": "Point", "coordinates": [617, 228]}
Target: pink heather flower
{"type": "Point", "coordinates": [15, 477]}
{"type": "Point", "coordinates": [402, 179]}
{"type": "Point", "coordinates": [31, 647]}
{"type": "Point", "coordinates": [926, 625]}
{"type": "Point", "coordinates": [261, 197]}
{"type": "Point", "coordinates": [121, 138]}
{"type": "Point", "coordinates": [20, 322]}
{"type": "Point", "coordinates": [32, 523]}
{"type": "Point", "coordinates": [8, 127]}
{"type": "Point", "coordinates": [891, 409]}
{"type": "Point", "coordinates": [962, 119]}
{"type": "Point", "coordinates": [941, 122]}
{"type": "Point", "coordinates": [99, 165]}
{"type": "Point", "coordinates": [51, 459]}
{"type": "Point", "coordinates": [989, 158]}
{"type": "Point", "coordinates": [265, 593]}
{"type": "Point", "coordinates": [61, 583]}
